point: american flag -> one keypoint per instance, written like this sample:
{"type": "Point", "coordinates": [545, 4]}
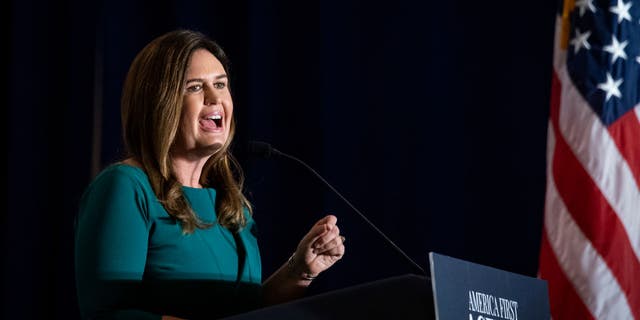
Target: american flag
{"type": "Point", "coordinates": [590, 251]}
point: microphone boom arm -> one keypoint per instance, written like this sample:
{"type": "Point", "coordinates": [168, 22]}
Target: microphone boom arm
{"type": "Point", "coordinates": [415, 265]}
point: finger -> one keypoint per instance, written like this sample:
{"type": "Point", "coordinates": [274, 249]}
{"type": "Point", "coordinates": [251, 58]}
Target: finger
{"type": "Point", "coordinates": [321, 228]}
{"type": "Point", "coordinates": [333, 251]}
{"type": "Point", "coordinates": [325, 240]}
{"type": "Point", "coordinates": [334, 243]}
{"type": "Point", "coordinates": [329, 219]}
{"type": "Point", "coordinates": [314, 234]}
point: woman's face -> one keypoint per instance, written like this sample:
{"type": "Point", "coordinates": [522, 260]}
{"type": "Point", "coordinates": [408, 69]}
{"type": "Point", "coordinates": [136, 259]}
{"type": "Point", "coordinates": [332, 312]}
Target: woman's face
{"type": "Point", "coordinates": [207, 107]}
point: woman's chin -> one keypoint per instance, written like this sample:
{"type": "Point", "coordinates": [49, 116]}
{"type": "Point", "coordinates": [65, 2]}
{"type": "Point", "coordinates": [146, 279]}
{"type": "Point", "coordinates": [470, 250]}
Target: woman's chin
{"type": "Point", "coordinates": [198, 150]}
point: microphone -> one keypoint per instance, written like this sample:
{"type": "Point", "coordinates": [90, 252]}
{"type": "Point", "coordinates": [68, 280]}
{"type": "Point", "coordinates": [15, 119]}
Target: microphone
{"type": "Point", "coordinates": [262, 149]}
{"type": "Point", "coordinates": [265, 150]}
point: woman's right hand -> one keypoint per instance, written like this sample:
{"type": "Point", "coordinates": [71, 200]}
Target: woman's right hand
{"type": "Point", "coordinates": [319, 249]}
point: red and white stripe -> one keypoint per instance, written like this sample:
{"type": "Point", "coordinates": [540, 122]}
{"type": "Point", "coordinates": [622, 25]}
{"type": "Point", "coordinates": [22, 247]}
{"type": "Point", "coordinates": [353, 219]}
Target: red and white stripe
{"type": "Point", "coordinates": [590, 252]}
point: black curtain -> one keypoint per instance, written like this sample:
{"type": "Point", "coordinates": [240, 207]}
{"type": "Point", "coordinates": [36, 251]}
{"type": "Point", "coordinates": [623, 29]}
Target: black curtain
{"type": "Point", "coordinates": [431, 118]}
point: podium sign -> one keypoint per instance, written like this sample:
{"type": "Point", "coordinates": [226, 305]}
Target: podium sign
{"type": "Point", "coordinates": [465, 290]}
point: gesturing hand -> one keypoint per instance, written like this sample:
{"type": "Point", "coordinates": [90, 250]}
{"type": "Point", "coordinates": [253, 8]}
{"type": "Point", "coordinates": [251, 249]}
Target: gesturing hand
{"type": "Point", "coordinates": [320, 248]}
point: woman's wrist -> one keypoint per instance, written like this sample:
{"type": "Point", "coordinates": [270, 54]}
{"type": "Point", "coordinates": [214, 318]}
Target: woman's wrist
{"type": "Point", "coordinates": [294, 270]}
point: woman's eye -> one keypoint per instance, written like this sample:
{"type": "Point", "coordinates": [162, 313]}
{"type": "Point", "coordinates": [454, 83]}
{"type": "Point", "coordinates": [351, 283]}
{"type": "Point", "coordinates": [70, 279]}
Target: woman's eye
{"type": "Point", "coordinates": [194, 88]}
{"type": "Point", "coordinates": [219, 85]}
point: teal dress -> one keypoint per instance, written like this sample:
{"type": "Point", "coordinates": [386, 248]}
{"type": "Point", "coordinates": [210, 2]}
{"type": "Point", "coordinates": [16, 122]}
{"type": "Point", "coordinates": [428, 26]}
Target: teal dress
{"type": "Point", "coordinates": [133, 261]}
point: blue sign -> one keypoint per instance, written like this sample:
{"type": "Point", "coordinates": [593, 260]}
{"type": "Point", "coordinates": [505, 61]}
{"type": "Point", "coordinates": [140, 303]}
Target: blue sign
{"type": "Point", "coordinates": [465, 290]}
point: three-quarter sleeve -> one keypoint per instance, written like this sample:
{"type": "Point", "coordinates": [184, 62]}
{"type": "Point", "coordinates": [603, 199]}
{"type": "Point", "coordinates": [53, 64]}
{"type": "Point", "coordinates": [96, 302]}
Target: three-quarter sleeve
{"type": "Point", "coordinates": [112, 236]}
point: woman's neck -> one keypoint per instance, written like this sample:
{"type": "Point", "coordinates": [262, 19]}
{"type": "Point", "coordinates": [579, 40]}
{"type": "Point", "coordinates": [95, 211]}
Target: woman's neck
{"type": "Point", "coordinates": [188, 171]}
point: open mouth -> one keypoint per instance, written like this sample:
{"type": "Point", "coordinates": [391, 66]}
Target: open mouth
{"type": "Point", "coordinates": [212, 122]}
{"type": "Point", "coordinates": [217, 120]}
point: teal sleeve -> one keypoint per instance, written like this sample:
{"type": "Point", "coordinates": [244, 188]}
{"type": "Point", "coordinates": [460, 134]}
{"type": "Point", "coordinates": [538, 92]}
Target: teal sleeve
{"type": "Point", "coordinates": [112, 231]}
{"type": "Point", "coordinates": [250, 237]}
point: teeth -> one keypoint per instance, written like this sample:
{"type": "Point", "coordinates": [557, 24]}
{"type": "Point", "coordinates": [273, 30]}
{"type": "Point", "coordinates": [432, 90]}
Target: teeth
{"type": "Point", "coordinates": [215, 117]}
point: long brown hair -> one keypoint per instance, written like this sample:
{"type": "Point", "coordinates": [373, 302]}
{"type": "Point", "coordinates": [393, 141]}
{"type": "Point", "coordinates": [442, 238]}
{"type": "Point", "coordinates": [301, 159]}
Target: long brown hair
{"type": "Point", "coordinates": [151, 109]}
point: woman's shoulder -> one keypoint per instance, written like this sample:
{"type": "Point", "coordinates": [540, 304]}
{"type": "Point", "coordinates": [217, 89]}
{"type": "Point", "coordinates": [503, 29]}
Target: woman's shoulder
{"type": "Point", "coordinates": [120, 195]}
{"type": "Point", "coordinates": [123, 173]}
{"type": "Point", "coordinates": [120, 186]}
{"type": "Point", "coordinates": [250, 225]}
{"type": "Point", "coordinates": [121, 176]}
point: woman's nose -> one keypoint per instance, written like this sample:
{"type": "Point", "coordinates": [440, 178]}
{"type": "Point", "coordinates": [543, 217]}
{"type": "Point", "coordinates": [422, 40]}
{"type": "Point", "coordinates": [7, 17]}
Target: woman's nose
{"type": "Point", "coordinates": [211, 97]}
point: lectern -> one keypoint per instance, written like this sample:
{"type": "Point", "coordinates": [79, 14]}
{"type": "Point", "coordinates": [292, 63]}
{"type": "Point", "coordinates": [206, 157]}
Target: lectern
{"type": "Point", "coordinates": [457, 289]}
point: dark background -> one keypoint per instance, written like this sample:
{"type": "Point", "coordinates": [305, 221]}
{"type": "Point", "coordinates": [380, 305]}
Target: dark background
{"type": "Point", "coordinates": [430, 117]}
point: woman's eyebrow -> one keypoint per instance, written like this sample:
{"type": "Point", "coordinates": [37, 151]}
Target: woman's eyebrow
{"type": "Point", "coordinates": [218, 77]}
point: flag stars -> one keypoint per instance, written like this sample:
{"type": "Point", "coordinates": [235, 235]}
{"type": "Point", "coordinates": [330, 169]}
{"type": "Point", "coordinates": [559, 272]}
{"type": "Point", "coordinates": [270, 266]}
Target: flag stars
{"type": "Point", "coordinates": [611, 87]}
{"type": "Point", "coordinates": [622, 10]}
{"type": "Point", "coordinates": [580, 41]}
{"type": "Point", "coordinates": [584, 5]}
{"type": "Point", "coordinates": [616, 49]}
